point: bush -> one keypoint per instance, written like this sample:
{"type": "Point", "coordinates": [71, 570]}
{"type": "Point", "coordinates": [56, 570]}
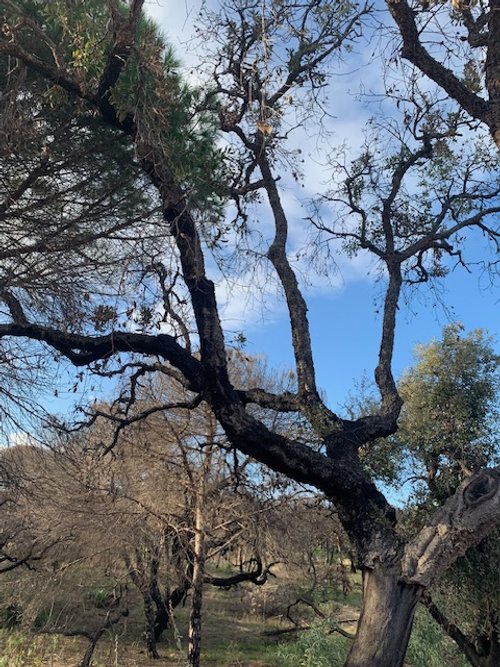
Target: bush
{"type": "Point", "coordinates": [10, 616]}
{"type": "Point", "coordinates": [429, 647]}
{"type": "Point", "coordinates": [316, 647]}
{"type": "Point", "coordinates": [41, 618]}
{"type": "Point", "coordinates": [101, 597]}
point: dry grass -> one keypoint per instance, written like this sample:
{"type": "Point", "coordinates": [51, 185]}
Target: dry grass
{"type": "Point", "coordinates": [230, 639]}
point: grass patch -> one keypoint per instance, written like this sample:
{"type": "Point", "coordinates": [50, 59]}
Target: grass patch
{"type": "Point", "coordinates": [19, 649]}
{"type": "Point", "coordinates": [316, 647]}
{"type": "Point", "coordinates": [429, 646]}
{"type": "Point", "coordinates": [242, 651]}
{"type": "Point", "coordinates": [232, 637]}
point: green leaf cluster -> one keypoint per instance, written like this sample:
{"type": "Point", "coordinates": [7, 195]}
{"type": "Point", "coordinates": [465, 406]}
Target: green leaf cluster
{"type": "Point", "coordinates": [449, 420]}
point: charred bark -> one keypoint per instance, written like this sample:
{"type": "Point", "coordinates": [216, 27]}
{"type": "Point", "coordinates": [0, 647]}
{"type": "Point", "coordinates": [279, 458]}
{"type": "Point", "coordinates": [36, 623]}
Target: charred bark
{"type": "Point", "coordinates": [486, 111]}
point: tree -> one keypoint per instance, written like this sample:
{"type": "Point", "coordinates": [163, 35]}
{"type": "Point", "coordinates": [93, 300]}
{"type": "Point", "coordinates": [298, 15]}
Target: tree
{"type": "Point", "coordinates": [25, 537]}
{"type": "Point", "coordinates": [185, 505]}
{"type": "Point", "coordinates": [449, 430]}
{"type": "Point", "coordinates": [177, 473]}
{"type": "Point", "coordinates": [456, 65]}
{"type": "Point", "coordinates": [272, 58]}
{"type": "Point", "coordinates": [449, 422]}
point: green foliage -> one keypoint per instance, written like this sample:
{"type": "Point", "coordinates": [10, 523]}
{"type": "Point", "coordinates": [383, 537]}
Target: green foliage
{"type": "Point", "coordinates": [449, 420]}
{"type": "Point", "coordinates": [429, 647]}
{"type": "Point", "coordinates": [10, 616]}
{"type": "Point", "coordinates": [318, 647]}
{"type": "Point", "coordinates": [41, 618]}
{"type": "Point", "coordinates": [468, 593]}
{"type": "Point", "coordinates": [449, 423]}
{"type": "Point", "coordinates": [101, 597]}
{"type": "Point", "coordinates": [315, 648]}
{"type": "Point", "coordinates": [75, 37]}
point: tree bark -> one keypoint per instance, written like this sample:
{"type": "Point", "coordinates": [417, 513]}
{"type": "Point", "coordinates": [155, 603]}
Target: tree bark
{"type": "Point", "coordinates": [492, 70]}
{"type": "Point", "coordinates": [150, 616]}
{"type": "Point", "coordinates": [194, 651]}
{"type": "Point", "coordinates": [386, 620]}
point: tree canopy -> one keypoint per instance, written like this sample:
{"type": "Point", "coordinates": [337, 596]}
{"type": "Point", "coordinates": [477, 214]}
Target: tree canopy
{"type": "Point", "coordinates": [109, 246]}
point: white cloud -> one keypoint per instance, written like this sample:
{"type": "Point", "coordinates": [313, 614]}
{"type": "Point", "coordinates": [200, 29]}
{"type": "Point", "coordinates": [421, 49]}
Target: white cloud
{"type": "Point", "coordinates": [255, 298]}
{"type": "Point", "coordinates": [250, 300]}
{"type": "Point", "coordinates": [177, 22]}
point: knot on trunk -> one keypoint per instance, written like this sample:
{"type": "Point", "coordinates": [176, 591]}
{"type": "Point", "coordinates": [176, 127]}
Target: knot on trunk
{"type": "Point", "coordinates": [464, 520]}
{"type": "Point", "coordinates": [482, 487]}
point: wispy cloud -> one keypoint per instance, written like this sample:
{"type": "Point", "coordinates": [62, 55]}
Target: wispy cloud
{"type": "Point", "coordinates": [254, 297]}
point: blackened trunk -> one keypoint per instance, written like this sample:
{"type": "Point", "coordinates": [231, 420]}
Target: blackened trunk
{"type": "Point", "coordinates": [89, 652]}
{"type": "Point", "coordinates": [386, 620]}
{"type": "Point", "coordinates": [165, 606]}
{"type": "Point", "coordinates": [162, 614]}
{"type": "Point", "coordinates": [150, 615]}
{"type": "Point", "coordinates": [492, 70]}
{"type": "Point", "coordinates": [96, 636]}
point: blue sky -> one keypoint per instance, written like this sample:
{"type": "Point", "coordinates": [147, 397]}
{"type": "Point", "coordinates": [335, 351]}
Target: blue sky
{"type": "Point", "coordinates": [345, 326]}
{"type": "Point", "coordinates": [345, 330]}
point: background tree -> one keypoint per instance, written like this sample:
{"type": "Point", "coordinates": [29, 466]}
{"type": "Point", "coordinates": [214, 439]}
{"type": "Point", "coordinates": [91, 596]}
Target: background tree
{"type": "Point", "coordinates": [26, 536]}
{"type": "Point", "coordinates": [127, 84]}
{"type": "Point", "coordinates": [173, 500]}
{"type": "Point", "coordinates": [449, 425]}
{"type": "Point", "coordinates": [449, 431]}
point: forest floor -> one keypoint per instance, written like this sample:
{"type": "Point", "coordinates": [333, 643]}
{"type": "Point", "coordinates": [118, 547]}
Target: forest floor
{"type": "Point", "coordinates": [241, 628]}
{"type": "Point", "coordinates": [232, 637]}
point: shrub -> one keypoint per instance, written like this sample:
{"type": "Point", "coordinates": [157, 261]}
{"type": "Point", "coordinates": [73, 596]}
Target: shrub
{"type": "Point", "coordinates": [316, 647]}
{"type": "Point", "coordinates": [10, 616]}
{"type": "Point", "coordinates": [429, 647]}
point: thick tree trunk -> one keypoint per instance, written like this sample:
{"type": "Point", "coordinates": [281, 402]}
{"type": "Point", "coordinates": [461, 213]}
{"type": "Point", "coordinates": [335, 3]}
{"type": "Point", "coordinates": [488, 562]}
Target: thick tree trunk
{"type": "Point", "coordinates": [386, 620]}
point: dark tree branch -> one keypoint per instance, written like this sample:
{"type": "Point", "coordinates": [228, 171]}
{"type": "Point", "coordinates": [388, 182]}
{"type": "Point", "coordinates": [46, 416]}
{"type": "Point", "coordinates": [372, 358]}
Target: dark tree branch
{"type": "Point", "coordinates": [467, 646]}
{"type": "Point", "coordinates": [83, 350]}
{"type": "Point", "coordinates": [257, 576]}
{"type": "Point", "coordinates": [473, 104]}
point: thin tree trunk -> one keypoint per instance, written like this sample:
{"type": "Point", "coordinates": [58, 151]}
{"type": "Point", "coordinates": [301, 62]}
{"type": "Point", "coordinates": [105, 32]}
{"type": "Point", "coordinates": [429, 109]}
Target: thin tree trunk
{"type": "Point", "coordinates": [150, 616]}
{"type": "Point", "coordinates": [89, 653]}
{"type": "Point", "coordinates": [109, 621]}
{"type": "Point", "coordinates": [194, 652]}
{"type": "Point", "coordinates": [386, 620]}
